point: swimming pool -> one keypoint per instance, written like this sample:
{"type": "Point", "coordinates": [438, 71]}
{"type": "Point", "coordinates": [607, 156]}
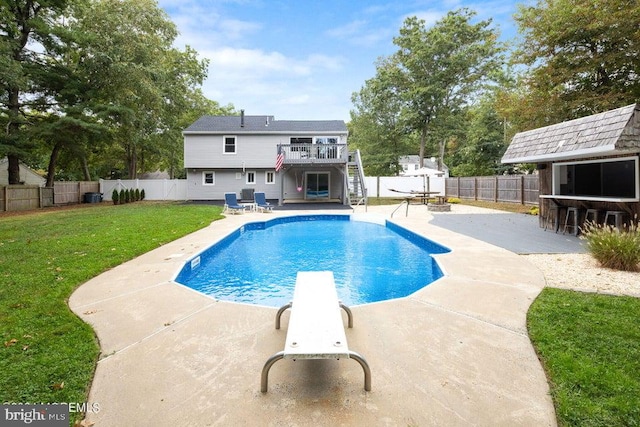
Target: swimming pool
{"type": "Point", "coordinates": [258, 263]}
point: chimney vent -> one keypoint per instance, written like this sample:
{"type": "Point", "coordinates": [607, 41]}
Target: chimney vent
{"type": "Point", "coordinates": [241, 118]}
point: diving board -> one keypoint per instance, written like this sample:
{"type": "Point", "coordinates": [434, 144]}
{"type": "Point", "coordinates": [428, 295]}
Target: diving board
{"type": "Point", "coordinates": [316, 329]}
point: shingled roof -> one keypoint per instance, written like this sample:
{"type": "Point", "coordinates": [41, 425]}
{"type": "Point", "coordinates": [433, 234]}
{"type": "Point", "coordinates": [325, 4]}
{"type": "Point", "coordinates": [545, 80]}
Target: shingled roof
{"type": "Point", "coordinates": [263, 124]}
{"type": "Point", "coordinates": [604, 134]}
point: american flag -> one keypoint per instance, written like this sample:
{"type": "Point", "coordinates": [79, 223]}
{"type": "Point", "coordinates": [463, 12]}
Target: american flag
{"type": "Point", "coordinates": [279, 159]}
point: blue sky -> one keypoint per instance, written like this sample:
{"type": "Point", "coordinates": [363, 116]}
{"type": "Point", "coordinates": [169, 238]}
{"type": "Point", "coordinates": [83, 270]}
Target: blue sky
{"type": "Point", "coordinates": [302, 60]}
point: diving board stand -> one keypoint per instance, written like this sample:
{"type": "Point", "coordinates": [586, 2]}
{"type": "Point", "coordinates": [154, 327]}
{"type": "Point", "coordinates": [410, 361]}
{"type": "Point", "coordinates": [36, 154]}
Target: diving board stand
{"type": "Point", "coordinates": [316, 329]}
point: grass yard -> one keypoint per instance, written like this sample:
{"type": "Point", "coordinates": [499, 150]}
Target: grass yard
{"type": "Point", "coordinates": [589, 345]}
{"type": "Point", "coordinates": [47, 354]}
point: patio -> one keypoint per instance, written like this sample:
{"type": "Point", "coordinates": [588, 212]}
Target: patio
{"type": "Point", "coordinates": [454, 353]}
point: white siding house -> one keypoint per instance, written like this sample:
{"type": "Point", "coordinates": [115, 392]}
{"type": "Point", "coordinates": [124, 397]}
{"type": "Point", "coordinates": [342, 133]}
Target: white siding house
{"type": "Point", "coordinates": [238, 154]}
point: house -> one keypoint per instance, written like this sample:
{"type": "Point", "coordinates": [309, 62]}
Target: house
{"type": "Point", "coordinates": [587, 163]}
{"type": "Point", "coordinates": [290, 161]}
{"type": "Point", "coordinates": [411, 166]}
{"type": "Point", "coordinates": [27, 175]}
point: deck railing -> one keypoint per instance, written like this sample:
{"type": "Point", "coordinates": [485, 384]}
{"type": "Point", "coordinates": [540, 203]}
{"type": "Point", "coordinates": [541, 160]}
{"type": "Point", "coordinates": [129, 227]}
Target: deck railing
{"type": "Point", "coordinates": [314, 153]}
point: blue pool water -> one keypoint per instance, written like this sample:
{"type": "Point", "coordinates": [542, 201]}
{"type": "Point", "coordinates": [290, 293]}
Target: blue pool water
{"type": "Point", "coordinates": [258, 263]}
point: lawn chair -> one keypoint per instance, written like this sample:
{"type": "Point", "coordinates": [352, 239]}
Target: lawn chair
{"type": "Point", "coordinates": [231, 204]}
{"type": "Point", "coordinates": [260, 202]}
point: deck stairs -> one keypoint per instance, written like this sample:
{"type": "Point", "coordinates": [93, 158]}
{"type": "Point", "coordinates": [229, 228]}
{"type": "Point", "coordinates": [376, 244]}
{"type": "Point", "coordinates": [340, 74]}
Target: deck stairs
{"type": "Point", "coordinates": [355, 180]}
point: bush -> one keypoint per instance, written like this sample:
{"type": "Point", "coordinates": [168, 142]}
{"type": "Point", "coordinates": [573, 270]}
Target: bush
{"type": "Point", "coordinates": [535, 210]}
{"type": "Point", "coordinates": [122, 197]}
{"type": "Point", "coordinates": [136, 195]}
{"type": "Point", "coordinates": [453, 200]}
{"type": "Point", "coordinates": [612, 248]}
{"type": "Point", "coordinates": [142, 194]}
{"type": "Point", "coordinates": [115, 196]}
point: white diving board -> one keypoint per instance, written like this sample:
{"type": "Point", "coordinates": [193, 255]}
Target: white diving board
{"type": "Point", "coordinates": [316, 329]}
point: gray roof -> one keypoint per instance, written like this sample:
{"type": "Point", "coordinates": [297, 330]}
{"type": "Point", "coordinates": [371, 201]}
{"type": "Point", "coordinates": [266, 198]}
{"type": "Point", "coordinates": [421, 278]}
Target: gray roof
{"type": "Point", "coordinates": [264, 124]}
{"type": "Point", "coordinates": [604, 134]}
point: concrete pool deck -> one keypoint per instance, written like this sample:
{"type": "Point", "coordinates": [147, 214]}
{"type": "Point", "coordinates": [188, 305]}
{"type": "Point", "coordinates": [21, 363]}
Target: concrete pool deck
{"type": "Point", "coordinates": [455, 353]}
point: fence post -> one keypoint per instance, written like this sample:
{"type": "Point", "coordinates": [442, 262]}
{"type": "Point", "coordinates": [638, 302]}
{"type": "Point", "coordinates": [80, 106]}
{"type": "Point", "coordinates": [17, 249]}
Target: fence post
{"type": "Point", "coordinates": [475, 188]}
{"type": "Point", "coordinates": [495, 189]}
{"type": "Point", "coordinates": [522, 189]}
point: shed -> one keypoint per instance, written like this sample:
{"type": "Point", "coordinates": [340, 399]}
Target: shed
{"type": "Point", "coordinates": [586, 163]}
{"type": "Point", "coordinates": [27, 176]}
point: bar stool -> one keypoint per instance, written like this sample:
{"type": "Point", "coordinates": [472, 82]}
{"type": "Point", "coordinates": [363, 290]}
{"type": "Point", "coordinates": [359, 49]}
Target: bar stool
{"type": "Point", "coordinates": [594, 213]}
{"type": "Point", "coordinates": [574, 213]}
{"type": "Point", "coordinates": [552, 215]}
{"type": "Point", "coordinates": [618, 217]}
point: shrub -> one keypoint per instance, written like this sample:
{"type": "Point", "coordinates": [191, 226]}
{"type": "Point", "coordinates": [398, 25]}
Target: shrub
{"type": "Point", "coordinates": [122, 197]}
{"type": "Point", "coordinates": [142, 194]}
{"type": "Point", "coordinates": [127, 196]}
{"type": "Point", "coordinates": [136, 195]}
{"type": "Point", "coordinates": [535, 210]}
{"type": "Point", "coordinates": [115, 196]}
{"type": "Point", "coordinates": [612, 248]}
{"type": "Point", "coordinates": [453, 200]}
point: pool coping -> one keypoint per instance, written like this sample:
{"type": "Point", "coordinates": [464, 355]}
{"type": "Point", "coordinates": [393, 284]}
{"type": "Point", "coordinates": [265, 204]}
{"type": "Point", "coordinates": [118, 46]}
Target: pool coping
{"type": "Point", "coordinates": [456, 352]}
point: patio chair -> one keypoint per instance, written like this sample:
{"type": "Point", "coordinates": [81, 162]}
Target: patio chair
{"type": "Point", "coordinates": [231, 204]}
{"type": "Point", "coordinates": [261, 203]}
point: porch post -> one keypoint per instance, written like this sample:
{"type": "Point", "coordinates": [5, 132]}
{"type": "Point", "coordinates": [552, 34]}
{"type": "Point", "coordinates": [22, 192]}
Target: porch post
{"type": "Point", "coordinates": [281, 198]}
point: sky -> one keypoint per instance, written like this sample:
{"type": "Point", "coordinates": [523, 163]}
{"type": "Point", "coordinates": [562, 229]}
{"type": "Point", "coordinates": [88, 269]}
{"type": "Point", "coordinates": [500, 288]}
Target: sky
{"type": "Point", "coordinates": [303, 59]}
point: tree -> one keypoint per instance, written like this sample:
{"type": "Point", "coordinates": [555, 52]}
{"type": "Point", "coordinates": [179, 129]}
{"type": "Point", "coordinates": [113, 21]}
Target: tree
{"type": "Point", "coordinates": [376, 126]}
{"type": "Point", "coordinates": [582, 56]}
{"type": "Point", "coordinates": [32, 34]}
{"type": "Point", "coordinates": [441, 69]}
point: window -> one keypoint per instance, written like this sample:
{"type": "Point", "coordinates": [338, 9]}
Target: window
{"type": "Point", "coordinates": [208, 178]}
{"type": "Point", "coordinates": [251, 177]}
{"type": "Point", "coordinates": [229, 145]}
{"type": "Point", "coordinates": [270, 177]}
{"type": "Point", "coordinates": [615, 178]}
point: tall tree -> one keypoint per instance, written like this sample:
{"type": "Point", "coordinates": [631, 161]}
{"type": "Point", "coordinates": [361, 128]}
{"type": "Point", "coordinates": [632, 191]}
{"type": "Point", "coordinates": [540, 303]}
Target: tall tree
{"type": "Point", "coordinates": [376, 126]}
{"type": "Point", "coordinates": [583, 57]}
{"type": "Point", "coordinates": [443, 67]}
{"type": "Point", "coordinates": [31, 36]}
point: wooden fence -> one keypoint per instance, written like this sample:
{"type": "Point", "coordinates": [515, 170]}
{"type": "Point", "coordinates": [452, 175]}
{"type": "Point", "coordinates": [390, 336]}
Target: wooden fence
{"type": "Point", "coordinates": [27, 197]}
{"type": "Point", "coordinates": [523, 189]}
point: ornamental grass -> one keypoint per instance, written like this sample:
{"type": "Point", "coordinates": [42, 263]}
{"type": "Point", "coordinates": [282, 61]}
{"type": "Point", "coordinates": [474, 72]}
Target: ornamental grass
{"type": "Point", "coordinates": [613, 248]}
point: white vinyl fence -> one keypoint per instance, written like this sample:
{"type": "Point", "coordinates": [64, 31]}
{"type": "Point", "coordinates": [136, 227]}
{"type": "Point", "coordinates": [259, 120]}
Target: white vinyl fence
{"type": "Point", "coordinates": [382, 186]}
{"type": "Point", "coordinates": [154, 189]}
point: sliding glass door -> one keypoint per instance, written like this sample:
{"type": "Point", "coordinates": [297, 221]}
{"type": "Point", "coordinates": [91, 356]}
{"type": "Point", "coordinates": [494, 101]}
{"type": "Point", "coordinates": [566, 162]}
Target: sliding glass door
{"type": "Point", "coordinates": [317, 185]}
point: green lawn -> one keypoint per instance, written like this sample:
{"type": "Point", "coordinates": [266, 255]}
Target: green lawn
{"type": "Point", "coordinates": [47, 354]}
{"type": "Point", "coordinates": [589, 345]}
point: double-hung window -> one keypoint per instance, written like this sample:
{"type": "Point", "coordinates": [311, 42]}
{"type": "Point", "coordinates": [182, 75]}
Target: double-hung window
{"type": "Point", "coordinates": [230, 144]}
{"type": "Point", "coordinates": [208, 178]}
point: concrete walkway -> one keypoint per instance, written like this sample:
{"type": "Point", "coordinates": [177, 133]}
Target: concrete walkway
{"type": "Point", "coordinates": [455, 353]}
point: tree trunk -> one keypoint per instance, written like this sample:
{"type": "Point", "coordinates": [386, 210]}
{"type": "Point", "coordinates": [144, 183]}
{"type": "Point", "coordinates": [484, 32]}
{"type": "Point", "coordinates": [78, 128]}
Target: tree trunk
{"type": "Point", "coordinates": [13, 169]}
{"type": "Point", "coordinates": [85, 168]}
{"type": "Point", "coordinates": [53, 159]}
{"type": "Point", "coordinates": [441, 155]}
{"type": "Point", "coordinates": [423, 143]}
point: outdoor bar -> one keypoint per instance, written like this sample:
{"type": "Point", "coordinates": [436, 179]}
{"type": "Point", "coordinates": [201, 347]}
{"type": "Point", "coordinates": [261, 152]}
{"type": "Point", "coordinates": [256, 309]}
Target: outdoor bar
{"type": "Point", "coordinates": [588, 168]}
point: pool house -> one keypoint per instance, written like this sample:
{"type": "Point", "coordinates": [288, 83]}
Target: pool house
{"type": "Point", "coordinates": [588, 168]}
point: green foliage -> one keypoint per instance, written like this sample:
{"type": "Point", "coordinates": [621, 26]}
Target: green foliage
{"type": "Point", "coordinates": [612, 248]}
{"type": "Point", "coordinates": [415, 104]}
{"type": "Point", "coordinates": [45, 257]}
{"type": "Point", "coordinates": [136, 195]}
{"type": "Point", "coordinates": [582, 58]}
{"type": "Point", "coordinates": [127, 196]}
{"type": "Point", "coordinates": [453, 200]}
{"type": "Point", "coordinates": [142, 194]}
{"type": "Point", "coordinates": [535, 210]}
{"type": "Point", "coordinates": [122, 197]}
{"type": "Point", "coordinates": [115, 196]}
{"type": "Point", "coordinates": [589, 345]}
